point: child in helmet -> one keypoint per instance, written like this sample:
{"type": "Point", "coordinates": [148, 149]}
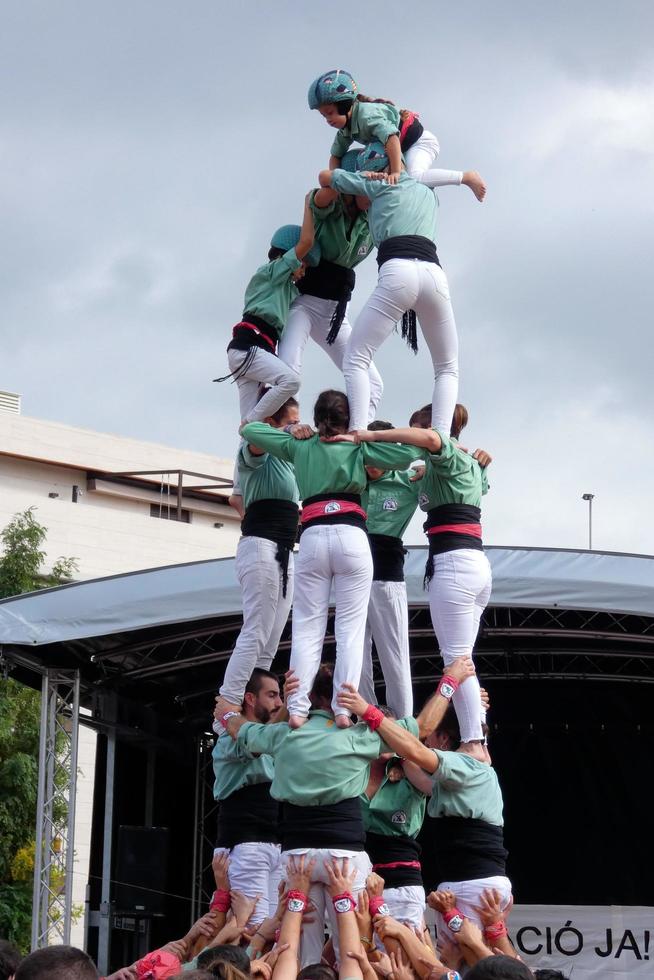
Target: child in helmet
{"type": "Point", "coordinates": [320, 312]}
{"type": "Point", "coordinates": [402, 220]}
{"type": "Point", "coordinates": [252, 351]}
{"type": "Point", "coordinates": [358, 117]}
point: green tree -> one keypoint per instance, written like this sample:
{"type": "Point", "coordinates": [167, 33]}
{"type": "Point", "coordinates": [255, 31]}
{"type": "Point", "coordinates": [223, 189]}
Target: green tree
{"type": "Point", "coordinates": [21, 570]}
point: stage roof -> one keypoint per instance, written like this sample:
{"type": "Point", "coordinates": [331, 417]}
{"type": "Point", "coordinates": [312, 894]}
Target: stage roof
{"type": "Point", "coordinates": [163, 635]}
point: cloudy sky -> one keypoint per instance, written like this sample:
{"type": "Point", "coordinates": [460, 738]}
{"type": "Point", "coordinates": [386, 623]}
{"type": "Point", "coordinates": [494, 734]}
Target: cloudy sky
{"type": "Point", "coordinates": [148, 148]}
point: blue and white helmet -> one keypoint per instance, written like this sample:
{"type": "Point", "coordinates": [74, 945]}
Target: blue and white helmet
{"type": "Point", "coordinates": [287, 237]}
{"type": "Point", "coordinates": [334, 86]}
{"type": "Point", "coordinates": [372, 157]}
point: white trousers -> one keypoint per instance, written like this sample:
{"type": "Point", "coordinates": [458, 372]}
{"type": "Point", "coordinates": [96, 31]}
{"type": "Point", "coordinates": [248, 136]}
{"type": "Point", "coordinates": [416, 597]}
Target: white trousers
{"type": "Point", "coordinates": [419, 159]}
{"type": "Point", "coordinates": [313, 934]}
{"type": "Point", "coordinates": [338, 555]}
{"type": "Point", "coordinates": [265, 370]}
{"type": "Point", "coordinates": [388, 626]}
{"type": "Point", "coordinates": [458, 594]}
{"type": "Point", "coordinates": [255, 869]}
{"type": "Point", "coordinates": [468, 894]}
{"type": "Point", "coordinates": [405, 284]}
{"type": "Point", "coordinates": [407, 904]}
{"type": "Point", "coordinates": [311, 316]}
{"type": "Point", "coordinates": [265, 612]}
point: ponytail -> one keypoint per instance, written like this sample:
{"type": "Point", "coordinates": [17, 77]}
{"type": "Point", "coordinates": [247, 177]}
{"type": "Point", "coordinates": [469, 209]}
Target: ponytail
{"type": "Point", "coordinates": [331, 413]}
{"type": "Point", "coordinates": [368, 98]}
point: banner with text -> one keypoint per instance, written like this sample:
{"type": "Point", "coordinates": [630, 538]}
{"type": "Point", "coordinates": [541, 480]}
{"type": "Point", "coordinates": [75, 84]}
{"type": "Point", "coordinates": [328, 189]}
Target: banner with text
{"type": "Point", "coordinates": [586, 942]}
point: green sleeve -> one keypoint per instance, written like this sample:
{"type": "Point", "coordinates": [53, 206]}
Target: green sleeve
{"type": "Point", "coordinates": [320, 213]}
{"type": "Point", "coordinates": [349, 183]}
{"type": "Point", "coordinates": [452, 769]}
{"type": "Point", "coordinates": [262, 739]}
{"type": "Point", "coordinates": [450, 460]}
{"type": "Point", "coordinates": [389, 455]}
{"type": "Point", "coordinates": [282, 267]}
{"type": "Point", "coordinates": [409, 724]}
{"type": "Point", "coordinates": [341, 145]}
{"type": "Point", "coordinates": [377, 120]}
{"type": "Point", "coordinates": [274, 441]}
{"type": "Point", "coordinates": [485, 486]}
{"type": "Point", "coordinates": [248, 460]}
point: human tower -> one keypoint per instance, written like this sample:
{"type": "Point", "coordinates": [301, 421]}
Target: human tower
{"type": "Point", "coordinates": [360, 480]}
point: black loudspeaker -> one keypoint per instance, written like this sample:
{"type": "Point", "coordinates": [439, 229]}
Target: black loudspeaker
{"type": "Point", "coordinates": [141, 868]}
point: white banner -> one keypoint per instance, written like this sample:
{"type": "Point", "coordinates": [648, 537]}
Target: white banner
{"type": "Point", "coordinates": [586, 942]}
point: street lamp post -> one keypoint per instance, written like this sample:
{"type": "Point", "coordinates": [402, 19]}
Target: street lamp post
{"type": "Point", "coordinates": [589, 497]}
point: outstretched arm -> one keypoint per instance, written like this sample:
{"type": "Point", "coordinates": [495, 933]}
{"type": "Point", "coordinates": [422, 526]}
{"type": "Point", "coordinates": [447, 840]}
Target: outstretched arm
{"type": "Point", "coordinates": [427, 439]}
{"type": "Point", "coordinates": [398, 739]}
{"type": "Point", "coordinates": [434, 709]}
{"type": "Point", "coordinates": [307, 233]}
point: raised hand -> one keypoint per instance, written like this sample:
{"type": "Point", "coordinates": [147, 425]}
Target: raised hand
{"type": "Point", "coordinates": [349, 697]}
{"type": "Point", "coordinates": [220, 868]}
{"type": "Point", "coordinates": [298, 873]}
{"type": "Point", "coordinates": [441, 901]}
{"type": "Point", "coordinates": [341, 878]}
{"type": "Point", "coordinates": [460, 669]}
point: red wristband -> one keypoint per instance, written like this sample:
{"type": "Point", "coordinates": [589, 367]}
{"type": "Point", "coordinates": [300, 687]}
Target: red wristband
{"type": "Point", "coordinates": [373, 717]}
{"type": "Point", "coordinates": [447, 686]}
{"type": "Point", "coordinates": [296, 901]}
{"type": "Point", "coordinates": [454, 919]}
{"type": "Point", "coordinates": [220, 900]}
{"type": "Point", "coordinates": [344, 902]}
{"type": "Point", "coordinates": [378, 906]}
{"type": "Point", "coordinates": [497, 930]}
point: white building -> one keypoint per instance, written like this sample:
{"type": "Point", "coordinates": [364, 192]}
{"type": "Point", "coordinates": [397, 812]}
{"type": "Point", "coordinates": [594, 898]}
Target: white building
{"type": "Point", "coordinates": [112, 504]}
{"type": "Point", "coordinates": [112, 522]}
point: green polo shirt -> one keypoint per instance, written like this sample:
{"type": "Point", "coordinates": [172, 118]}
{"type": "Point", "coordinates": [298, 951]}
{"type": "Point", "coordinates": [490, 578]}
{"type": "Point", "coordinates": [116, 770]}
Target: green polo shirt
{"type": "Point", "coordinates": [390, 502]}
{"type": "Point", "coordinates": [235, 767]}
{"type": "Point", "coordinates": [465, 787]}
{"type": "Point", "coordinates": [271, 290]}
{"type": "Point", "coordinates": [396, 809]}
{"type": "Point", "coordinates": [451, 477]}
{"type": "Point", "coordinates": [329, 467]}
{"type": "Point", "coordinates": [343, 241]}
{"type": "Point", "coordinates": [318, 764]}
{"type": "Point", "coordinates": [405, 208]}
{"type": "Point", "coordinates": [369, 122]}
{"type": "Point", "coordinates": [265, 478]}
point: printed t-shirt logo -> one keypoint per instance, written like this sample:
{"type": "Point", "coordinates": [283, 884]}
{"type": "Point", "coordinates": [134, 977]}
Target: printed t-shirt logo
{"type": "Point", "coordinates": [423, 500]}
{"type": "Point", "coordinates": [399, 816]}
{"type": "Point", "coordinates": [332, 507]}
{"type": "Point", "coordinates": [362, 250]}
{"type": "Point", "coordinates": [390, 504]}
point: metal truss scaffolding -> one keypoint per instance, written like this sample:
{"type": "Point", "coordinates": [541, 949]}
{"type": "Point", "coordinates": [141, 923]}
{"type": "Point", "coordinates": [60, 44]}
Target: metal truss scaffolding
{"type": "Point", "coordinates": [55, 809]}
{"type": "Point", "coordinates": [205, 826]}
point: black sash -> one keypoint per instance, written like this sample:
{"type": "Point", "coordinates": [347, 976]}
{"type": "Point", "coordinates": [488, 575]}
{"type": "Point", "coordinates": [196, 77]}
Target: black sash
{"type": "Point", "coordinates": [387, 558]}
{"type": "Point", "coordinates": [386, 850]}
{"type": "Point", "coordinates": [327, 281]}
{"type": "Point", "coordinates": [249, 815]}
{"type": "Point", "coordinates": [275, 520]}
{"type": "Point", "coordinates": [244, 338]}
{"type": "Point", "coordinates": [337, 825]}
{"type": "Point", "coordinates": [407, 247]}
{"type": "Point", "coordinates": [466, 849]}
{"type": "Point", "coordinates": [354, 520]}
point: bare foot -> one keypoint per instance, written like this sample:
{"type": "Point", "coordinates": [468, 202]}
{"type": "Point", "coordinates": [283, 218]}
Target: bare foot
{"type": "Point", "coordinates": [343, 721]}
{"type": "Point", "coordinates": [296, 721]}
{"type": "Point", "coordinates": [474, 180]}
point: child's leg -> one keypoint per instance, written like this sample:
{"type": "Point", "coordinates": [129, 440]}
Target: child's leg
{"type": "Point", "coordinates": [396, 292]}
{"type": "Point", "coordinates": [388, 615]}
{"type": "Point", "coordinates": [265, 369]}
{"type": "Point", "coordinates": [337, 353]}
{"type": "Point", "coordinates": [313, 579]}
{"type": "Point", "coordinates": [434, 311]}
{"type": "Point", "coordinates": [296, 333]}
{"type": "Point", "coordinates": [352, 568]}
{"type": "Point", "coordinates": [422, 154]}
{"type": "Point", "coordinates": [460, 578]}
{"type": "Point", "coordinates": [258, 573]}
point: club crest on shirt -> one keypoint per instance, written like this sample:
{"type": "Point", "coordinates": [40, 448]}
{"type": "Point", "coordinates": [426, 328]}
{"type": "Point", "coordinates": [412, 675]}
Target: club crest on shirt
{"type": "Point", "coordinates": [399, 817]}
{"type": "Point", "coordinates": [332, 507]}
{"type": "Point", "coordinates": [390, 503]}
{"type": "Point", "coordinates": [362, 250]}
{"type": "Point", "coordinates": [423, 500]}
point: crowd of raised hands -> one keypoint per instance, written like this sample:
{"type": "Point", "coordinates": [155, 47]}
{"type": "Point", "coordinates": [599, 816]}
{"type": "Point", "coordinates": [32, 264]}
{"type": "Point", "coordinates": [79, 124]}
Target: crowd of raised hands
{"type": "Point", "coordinates": [371, 944]}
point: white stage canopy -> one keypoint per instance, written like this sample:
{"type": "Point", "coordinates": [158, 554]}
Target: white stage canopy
{"type": "Point", "coordinates": [522, 577]}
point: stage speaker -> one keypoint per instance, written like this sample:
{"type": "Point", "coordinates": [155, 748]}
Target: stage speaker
{"type": "Point", "coordinates": [141, 867]}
